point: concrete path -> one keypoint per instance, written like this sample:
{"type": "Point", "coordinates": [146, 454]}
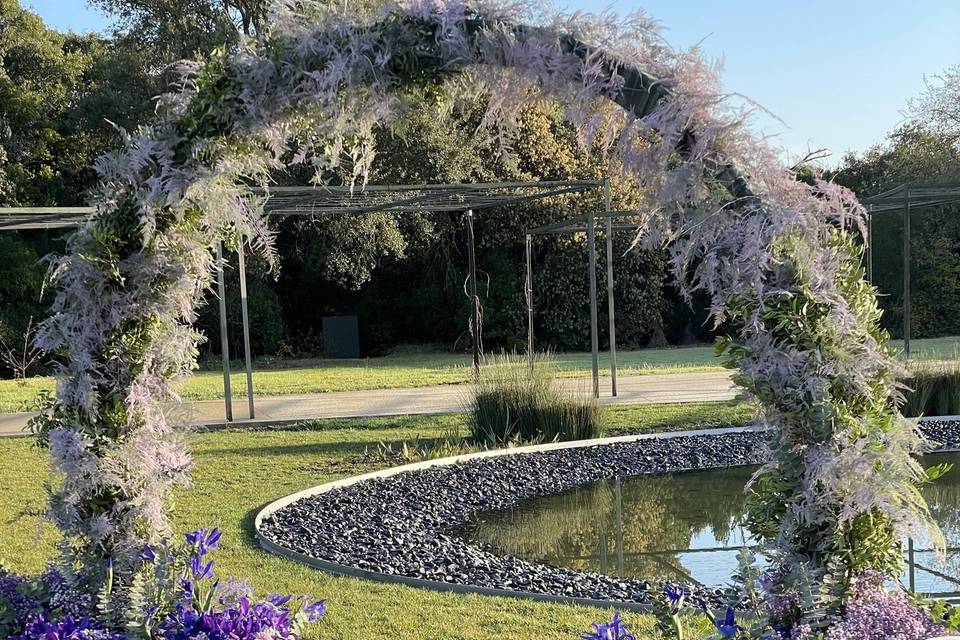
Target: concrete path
{"type": "Point", "coordinates": [646, 389]}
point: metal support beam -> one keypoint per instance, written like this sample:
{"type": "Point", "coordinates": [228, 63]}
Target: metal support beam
{"type": "Point", "coordinates": [911, 567]}
{"type": "Point", "coordinates": [247, 353]}
{"type": "Point", "coordinates": [618, 514]}
{"type": "Point", "coordinates": [869, 242]}
{"type": "Point", "coordinates": [603, 545]}
{"type": "Point", "coordinates": [594, 338]}
{"type": "Point", "coordinates": [474, 298]}
{"type": "Point", "coordinates": [224, 341]}
{"type": "Point", "coordinates": [611, 311]}
{"type": "Point", "coordinates": [907, 306]}
{"type": "Point", "coordinates": [529, 296]}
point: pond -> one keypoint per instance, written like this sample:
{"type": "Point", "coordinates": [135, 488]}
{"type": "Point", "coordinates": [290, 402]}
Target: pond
{"type": "Point", "coordinates": [683, 527]}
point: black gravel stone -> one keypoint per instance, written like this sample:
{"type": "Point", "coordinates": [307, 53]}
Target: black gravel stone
{"type": "Point", "coordinates": [401, 525]}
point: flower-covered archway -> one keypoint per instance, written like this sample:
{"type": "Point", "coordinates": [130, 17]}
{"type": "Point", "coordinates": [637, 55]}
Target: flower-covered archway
{"type": "Point", "coordinates": [778, 257]}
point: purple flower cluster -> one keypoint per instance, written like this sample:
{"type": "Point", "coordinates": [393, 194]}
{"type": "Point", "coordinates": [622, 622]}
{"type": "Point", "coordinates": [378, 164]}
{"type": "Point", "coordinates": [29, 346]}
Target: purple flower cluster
{"type": "Point", "coordinates": [238, 616]}
{"type": "Point", "coordinates": [48, 607]}
{"type": "Point", "coordinates": [613, 630]}
{"type": "Point", "coordinates": [243, 621]}
{"type": "Point", "coordinates": [15, 600]}
{"type": "Point", "coordinates": [40, 626]}
{"type": "Point", "coordinates": [876, 613]}
{"type": "Point", "coordinates": [203, 541]}
{"type": "Point", "coordinates": [64, 598]}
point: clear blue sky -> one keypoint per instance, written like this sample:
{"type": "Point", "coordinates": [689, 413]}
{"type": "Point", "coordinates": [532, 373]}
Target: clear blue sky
{"type": "Point", "coordinates": [837, 72]}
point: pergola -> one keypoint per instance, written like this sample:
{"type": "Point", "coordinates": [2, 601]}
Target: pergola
{"type": "Point", "coordinates": [579, 224]}
{"type": "Point", "coordinates": [313, 201]}
{"type": "Point", "coordinates": [904, 198]}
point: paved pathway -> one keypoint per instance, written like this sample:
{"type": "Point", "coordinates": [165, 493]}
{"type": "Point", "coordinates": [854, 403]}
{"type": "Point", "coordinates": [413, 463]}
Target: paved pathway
{"type": "Point", "coordinates": [646, 389]}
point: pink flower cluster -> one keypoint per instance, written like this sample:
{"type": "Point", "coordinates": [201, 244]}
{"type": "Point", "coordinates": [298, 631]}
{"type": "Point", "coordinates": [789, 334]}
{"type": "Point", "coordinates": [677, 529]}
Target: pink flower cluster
{"type": "Point", "coordinates": [876, 613]}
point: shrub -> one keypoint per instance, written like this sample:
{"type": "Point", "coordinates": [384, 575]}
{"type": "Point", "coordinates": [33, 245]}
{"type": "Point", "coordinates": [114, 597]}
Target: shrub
{"type": "Point", "coordinates": [875, 612]}
{"type": "Point", "coordinates": [933, 389]}
{"type": "Point", "coordinates": [516, 402]}
{"type": "Point", "coordinates": [870, 612]}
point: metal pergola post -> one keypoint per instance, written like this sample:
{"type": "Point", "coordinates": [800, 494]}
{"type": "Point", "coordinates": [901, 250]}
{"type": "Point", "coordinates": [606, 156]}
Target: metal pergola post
{"type": "Point", "coordinates": [907, 307]}
{"type": "Point", "coordinates": [579, 224]}
{"type": "Point", "coordinates": [474, 298]}
{"type": "Point", "coordinates": [869, 242]}
{"type": "Point", "coordinates": [247, 354]}
{"type": "Point", "coordinates": [911, 567]}
{"type": "Point", "coordinates": [618, 506]}
{"type": "Point", "coordinates": [594, 338]}
{"type": "Point", "coordinates": [904, 198]}
{"type": "Point", "coordinates": [611, 312]}
{"type": "Point", "coordinates": [224, 341]}
{"type": "Point", "coordinates": [529, 295]}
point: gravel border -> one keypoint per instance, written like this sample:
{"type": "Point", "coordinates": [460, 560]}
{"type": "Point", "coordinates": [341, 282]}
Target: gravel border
{"type": "Point", "coordinates": [393, 525]}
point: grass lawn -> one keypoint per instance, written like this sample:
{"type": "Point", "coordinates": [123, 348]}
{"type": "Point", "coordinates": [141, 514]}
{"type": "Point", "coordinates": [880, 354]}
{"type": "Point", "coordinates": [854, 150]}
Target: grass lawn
{"type": "Point", "coordinates": [239, 471]}
{"type": "Point", "coordinates": [418, 369]}
{"type": "Point", "coordinates": [295, 377]}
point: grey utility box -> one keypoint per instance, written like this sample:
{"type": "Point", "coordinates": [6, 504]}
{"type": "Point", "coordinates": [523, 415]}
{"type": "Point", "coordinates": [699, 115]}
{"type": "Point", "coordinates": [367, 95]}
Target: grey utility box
{"type": "Point", "coordinates": [341, 337]}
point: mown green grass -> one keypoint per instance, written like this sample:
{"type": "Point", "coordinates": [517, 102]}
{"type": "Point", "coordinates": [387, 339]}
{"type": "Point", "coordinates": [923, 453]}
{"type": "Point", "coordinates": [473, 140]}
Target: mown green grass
{"type": "Point", "coordinates": [240, 471]}
{"type": "Point", "coordinates": [419, 369]}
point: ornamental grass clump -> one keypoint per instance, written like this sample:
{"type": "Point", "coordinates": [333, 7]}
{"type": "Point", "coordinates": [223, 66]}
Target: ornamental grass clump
{"type": "Point", "coordinates": [933, 389]}
{"type": "Point", "coordinates": [515, 401]}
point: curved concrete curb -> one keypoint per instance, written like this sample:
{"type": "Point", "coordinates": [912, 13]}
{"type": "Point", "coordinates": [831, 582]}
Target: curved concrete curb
{"type": "Point", "coordinates": [345, 570]}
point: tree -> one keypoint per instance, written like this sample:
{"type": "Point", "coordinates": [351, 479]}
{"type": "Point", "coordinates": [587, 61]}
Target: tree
{"type": "Point", "coordinates": [397, 271]}
{"type": "Point", "coordinates": [924, 150]}
{"type": "Point", "coordinates": [938, 107]}
{"type": "Point", "coordinates": [177, 29]}
{"type": "Point", "coordinates": [21, 284]}
{"type": "Point", "coordinates": [59, 94]}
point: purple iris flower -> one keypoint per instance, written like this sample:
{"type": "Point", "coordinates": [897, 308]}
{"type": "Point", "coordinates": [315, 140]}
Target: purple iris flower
{"type": "Point", "coordinates": [187, 588]}
{"type": "Point", "coordinates": [201, 571]}
{"type": "Point", "coordinates": [728, 628]}
{"type": "Point", "coordinates": [613, 630]}
{"type": "Point", "coordinates": [148, 554]}
{"type": "Point", "coordinates": [278, 600]}
{"type": "Point", "coordinates": [675, 595]}
{"type": "Point", "coordinates": [315, 610]}
{"type": "Point", "coordinates": [205, 541]}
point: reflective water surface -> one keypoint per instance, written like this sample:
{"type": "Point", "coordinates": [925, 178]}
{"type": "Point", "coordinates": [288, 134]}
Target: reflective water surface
{"type": "Point", "coordinates": [679, 527]}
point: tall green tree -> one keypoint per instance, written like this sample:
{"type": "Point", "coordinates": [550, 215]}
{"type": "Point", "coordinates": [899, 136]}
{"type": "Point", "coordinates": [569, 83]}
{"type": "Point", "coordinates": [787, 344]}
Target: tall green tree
{"type": "Point", "coordinates": [176, 29]}
{"type": "Point", "coordinates": [61, 96]}
{"type": "Point", "coordinates": [938, 107]}
{"type": "Point", "coordinates": [924, 150]}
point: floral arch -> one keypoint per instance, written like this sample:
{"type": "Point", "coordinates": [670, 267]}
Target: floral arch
{"type": "Point", "coordinates": [778, 257]}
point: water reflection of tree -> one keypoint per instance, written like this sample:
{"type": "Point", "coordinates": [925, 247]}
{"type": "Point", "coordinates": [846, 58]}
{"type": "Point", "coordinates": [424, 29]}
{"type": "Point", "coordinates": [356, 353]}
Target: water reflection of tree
{"type": "Point", "coordinates": [578, 529]}
{"type": "Point", "coordinates": [943, 497]}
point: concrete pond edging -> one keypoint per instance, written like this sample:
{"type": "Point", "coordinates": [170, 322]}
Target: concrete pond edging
{"type": "Point", "coordinates": [340, 568]}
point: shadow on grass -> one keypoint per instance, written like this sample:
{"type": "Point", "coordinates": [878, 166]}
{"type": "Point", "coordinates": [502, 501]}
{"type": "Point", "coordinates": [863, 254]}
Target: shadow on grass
{"type": "Point", "coordinates": [377, 423]}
